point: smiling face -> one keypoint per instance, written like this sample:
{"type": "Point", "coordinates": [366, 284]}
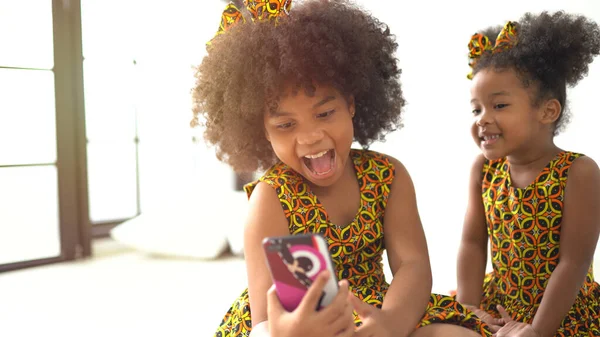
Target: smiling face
{"type": "Point", "coordinates": [313, 134]}
{"type": "Point", "coordinates": [505, 120]}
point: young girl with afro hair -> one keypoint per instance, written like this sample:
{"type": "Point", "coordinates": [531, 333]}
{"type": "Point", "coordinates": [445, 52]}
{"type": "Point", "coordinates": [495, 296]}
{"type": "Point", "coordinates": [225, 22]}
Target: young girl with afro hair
{"type": "Point", "coordinates": [536, 204]}
{"type": "Point", "coordinates": [288, 90]}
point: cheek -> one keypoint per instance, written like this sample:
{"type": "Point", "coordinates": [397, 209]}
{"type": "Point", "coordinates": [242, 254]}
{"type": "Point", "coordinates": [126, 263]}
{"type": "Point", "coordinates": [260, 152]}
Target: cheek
{"type": "Point", "coordinates": [345, 130]}
{"type": "Point", "coordinates": [283, 145]}
{"type": "Point", "coordinates": [519, 125]}
{"type": "Point", "coordinates": [349, 130]}
{"type": "Point", "coordinates": [475, 131]}
{"type": "Point", "coordinates": [342, 137]}
{"type": "Point", "coordinates": [278, 142]}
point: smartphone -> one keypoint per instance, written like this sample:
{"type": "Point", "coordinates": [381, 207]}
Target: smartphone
{"type": "Point", "coordinates": [295, 261]}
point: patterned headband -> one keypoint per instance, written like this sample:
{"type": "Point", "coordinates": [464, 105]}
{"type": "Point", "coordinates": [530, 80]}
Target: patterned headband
{"type": "Point", "coordinates": [259, 10]}
{"type": "Point", "coordinates": [480, 44]}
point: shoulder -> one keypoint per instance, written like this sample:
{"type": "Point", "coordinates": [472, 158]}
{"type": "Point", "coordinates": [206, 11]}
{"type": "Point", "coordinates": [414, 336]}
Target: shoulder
{"type": "Point", "coordinates": [584, 172]}
{"type": "Point", "coordinates": [263, 196]}
{"type": "Point", "coordinates": [369, 156]}
{"type": "Point", "coordinates": [580, 223]}
{"type": "Point", "coordinates": [372, 167]}
{"type": "Point", "coordinates": [479, 166]}
{"type": "Point", "coordinates": [582, 189]}
{"type": "Point", "coordinates": [264, 209]}
{"type": "Point", "coordinates": [484, 169]}
{"type": "Point", "coordinates": [479, 162]}
{"type": "Point", "coordinates": [397, 170]}
{"type": "Point", "coordinates": [489, 165]}
{"type": "Point", "coordinates": [275, 177]}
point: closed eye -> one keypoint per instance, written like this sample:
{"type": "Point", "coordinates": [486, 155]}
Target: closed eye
{"type": "Point", "coordinates": [325, 114]}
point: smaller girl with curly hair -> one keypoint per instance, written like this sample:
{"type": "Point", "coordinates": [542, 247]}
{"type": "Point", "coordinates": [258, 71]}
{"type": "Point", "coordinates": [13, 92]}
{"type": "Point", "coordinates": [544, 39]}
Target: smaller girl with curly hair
{"type": "Point", "coordinates": [538, 205]}
{"type": "Point", "coordinates": [288, 91]}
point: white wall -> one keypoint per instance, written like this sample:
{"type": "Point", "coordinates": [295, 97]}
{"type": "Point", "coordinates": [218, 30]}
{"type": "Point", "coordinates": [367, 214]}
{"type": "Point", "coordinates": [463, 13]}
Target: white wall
{"type": "Point", "coordinates": [435, 144]}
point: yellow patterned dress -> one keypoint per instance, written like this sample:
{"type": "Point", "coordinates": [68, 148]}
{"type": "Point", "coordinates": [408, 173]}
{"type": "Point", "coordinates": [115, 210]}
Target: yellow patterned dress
{"type": "Point", "coordinates": [356, 249]}
{"type": "Point", "coordinates": [524, 230]}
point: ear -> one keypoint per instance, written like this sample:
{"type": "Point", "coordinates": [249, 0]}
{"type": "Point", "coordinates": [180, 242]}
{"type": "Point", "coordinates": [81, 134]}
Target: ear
{"type": "Point", "coordinates": [351, 106]}
{"type": "Point", "coordinates": [267, 136]}
{"type": "Point", "coordinates": [550, 112]}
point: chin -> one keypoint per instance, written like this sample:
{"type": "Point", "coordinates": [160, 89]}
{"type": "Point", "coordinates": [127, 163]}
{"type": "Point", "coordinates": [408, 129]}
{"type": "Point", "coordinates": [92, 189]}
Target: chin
{"type": "Point", "coordinates": [492, 154]}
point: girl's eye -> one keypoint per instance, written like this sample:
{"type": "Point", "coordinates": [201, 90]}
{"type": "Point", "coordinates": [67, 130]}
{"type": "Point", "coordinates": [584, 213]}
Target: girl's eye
{"type": "Point", "coordinates": [500, 106]}
{"type": "Point", "coordinates": [476, 111]}
{"type": "Point", "coordinates": [325, 114]}
{"type": "Point", "coordinates": [285, 125]}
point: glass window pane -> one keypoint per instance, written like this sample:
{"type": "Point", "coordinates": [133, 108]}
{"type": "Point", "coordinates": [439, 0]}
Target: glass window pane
{"type": "Point", "coordinates": [106, 32]}
{"type": "Point", "coordinates": [109, 100]}
{"type": "Point", "coordinates": [26, 38]}
{"type": "Point", "coordinates": [27, 117]}
{"type": "Point", "coordinates": [29, 222]}
{"type": "Point", "coordinates": [112, 179]}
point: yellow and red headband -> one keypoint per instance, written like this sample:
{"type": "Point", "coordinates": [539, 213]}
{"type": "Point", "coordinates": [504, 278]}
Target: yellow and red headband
{"type": "Point", "coordinates": [480, 44]}
{"type": "Point", "coordinates": [259, 10]}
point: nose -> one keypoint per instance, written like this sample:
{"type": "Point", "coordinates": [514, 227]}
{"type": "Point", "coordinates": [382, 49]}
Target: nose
{"type": "Point", "coordinates": [484, 118]}
{"type": "Point", "coordinates": [310, 137]}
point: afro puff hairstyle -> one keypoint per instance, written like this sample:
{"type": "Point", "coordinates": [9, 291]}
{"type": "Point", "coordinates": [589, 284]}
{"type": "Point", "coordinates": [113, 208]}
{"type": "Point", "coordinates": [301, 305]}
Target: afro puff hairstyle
{"type": "Point", "coordinates": [553, 51]}
{"type": "Point", "coordinates": [325, 42]}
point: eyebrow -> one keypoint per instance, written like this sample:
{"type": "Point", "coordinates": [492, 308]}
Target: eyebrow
{"type": "Point", "coordinates": [279, 114]}
{"type": "Point", "coordinates": [324, 101]}
{"type": "Point", "coordinates": [500, 93]}
{"type": "Point", "coordinates": [495, 94]}
{"type": "Point", "coordinates": [318, 104]}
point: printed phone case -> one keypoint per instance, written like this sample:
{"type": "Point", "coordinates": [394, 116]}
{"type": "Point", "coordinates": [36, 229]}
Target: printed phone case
{"type": "Point", "coordinates": [295, 261]}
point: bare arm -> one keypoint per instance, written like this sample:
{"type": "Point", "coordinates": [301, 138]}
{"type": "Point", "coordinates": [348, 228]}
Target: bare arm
{"type": "Point", "coordinates": [472, 255]}
{"type": "Point", "coordinates": [578, 238]}
{"type": "Point", "coordinates": [265, 218]}
{"type": "Point", "coordinates": [409, 291]}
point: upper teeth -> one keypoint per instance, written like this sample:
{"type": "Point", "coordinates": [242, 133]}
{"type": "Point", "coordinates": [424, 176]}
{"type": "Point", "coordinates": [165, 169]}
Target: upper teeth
{"type": "Point", "coordinates": [490, 137]}
{"type": "Point", "coordinates": [317, 155]}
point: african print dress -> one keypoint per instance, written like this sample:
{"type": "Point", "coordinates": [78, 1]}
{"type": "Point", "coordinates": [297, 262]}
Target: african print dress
{"type": "Point", "coordinates": [524, 229]}
{"type": "Point", "coordinates": [356, 249]}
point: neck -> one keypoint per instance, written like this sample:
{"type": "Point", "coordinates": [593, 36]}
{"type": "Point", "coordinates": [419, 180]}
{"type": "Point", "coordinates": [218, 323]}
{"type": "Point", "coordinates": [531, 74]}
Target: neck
{"type": "Point", "coordinates": [533, 156]}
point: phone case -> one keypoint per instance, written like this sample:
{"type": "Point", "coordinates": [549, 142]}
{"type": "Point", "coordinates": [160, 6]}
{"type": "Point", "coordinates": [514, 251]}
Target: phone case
{"type": "Point", "coordinates": [295, 261]}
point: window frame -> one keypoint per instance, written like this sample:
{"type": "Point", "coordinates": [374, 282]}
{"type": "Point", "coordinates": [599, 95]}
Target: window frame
{"type": "Point", "coordinates": [71, 163]}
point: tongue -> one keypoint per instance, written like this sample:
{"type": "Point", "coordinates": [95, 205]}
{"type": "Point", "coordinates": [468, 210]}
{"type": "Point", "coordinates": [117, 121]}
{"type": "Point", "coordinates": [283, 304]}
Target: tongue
{"type": "Point", "coordinates": [322, 164]}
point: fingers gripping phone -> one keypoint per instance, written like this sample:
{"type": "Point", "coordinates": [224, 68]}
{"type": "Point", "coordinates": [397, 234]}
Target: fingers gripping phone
{"type": "Point", "coordinates": [295, 261]}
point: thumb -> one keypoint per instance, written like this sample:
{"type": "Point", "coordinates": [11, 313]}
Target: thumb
{"type": "Point", "coordinates": [505, 316]}
{"type": "Point", "coordinates": [315, 292]}
{"type": "Point", "coordinates": [274, 307]}
{"type": "Point", "coordinates": [363, 309]}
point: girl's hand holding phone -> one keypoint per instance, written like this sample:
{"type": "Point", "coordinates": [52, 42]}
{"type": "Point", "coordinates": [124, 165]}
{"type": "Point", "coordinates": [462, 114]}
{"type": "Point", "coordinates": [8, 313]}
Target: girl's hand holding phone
{"type": "Point", "coordinates": [335, 319]}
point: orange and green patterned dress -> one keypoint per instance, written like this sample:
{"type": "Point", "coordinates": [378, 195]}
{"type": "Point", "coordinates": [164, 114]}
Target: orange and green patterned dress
{"type": "Point", "coordinates": [524, 229]}
{"type": "Point", "coordinates": [356, 249]}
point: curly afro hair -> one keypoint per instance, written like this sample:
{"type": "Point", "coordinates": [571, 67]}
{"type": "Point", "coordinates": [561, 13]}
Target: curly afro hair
{"type": "Point", "coordinates": [553, 51]}
{"type": "Point", "coordinates": [332, 43]}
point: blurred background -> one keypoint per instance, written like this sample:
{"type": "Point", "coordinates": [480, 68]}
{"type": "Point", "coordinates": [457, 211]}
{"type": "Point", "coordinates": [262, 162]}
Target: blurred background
{"type": "Point", "coordinates": [117, 219]}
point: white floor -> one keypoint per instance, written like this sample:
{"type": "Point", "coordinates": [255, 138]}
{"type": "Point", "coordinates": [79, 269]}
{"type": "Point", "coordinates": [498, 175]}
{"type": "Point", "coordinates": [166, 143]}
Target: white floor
{"type": "Point", "coordinates": [119, 293]}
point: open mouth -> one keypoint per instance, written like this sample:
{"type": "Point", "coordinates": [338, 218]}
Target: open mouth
{"type": "Point", "coordinates": [320, 164]}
